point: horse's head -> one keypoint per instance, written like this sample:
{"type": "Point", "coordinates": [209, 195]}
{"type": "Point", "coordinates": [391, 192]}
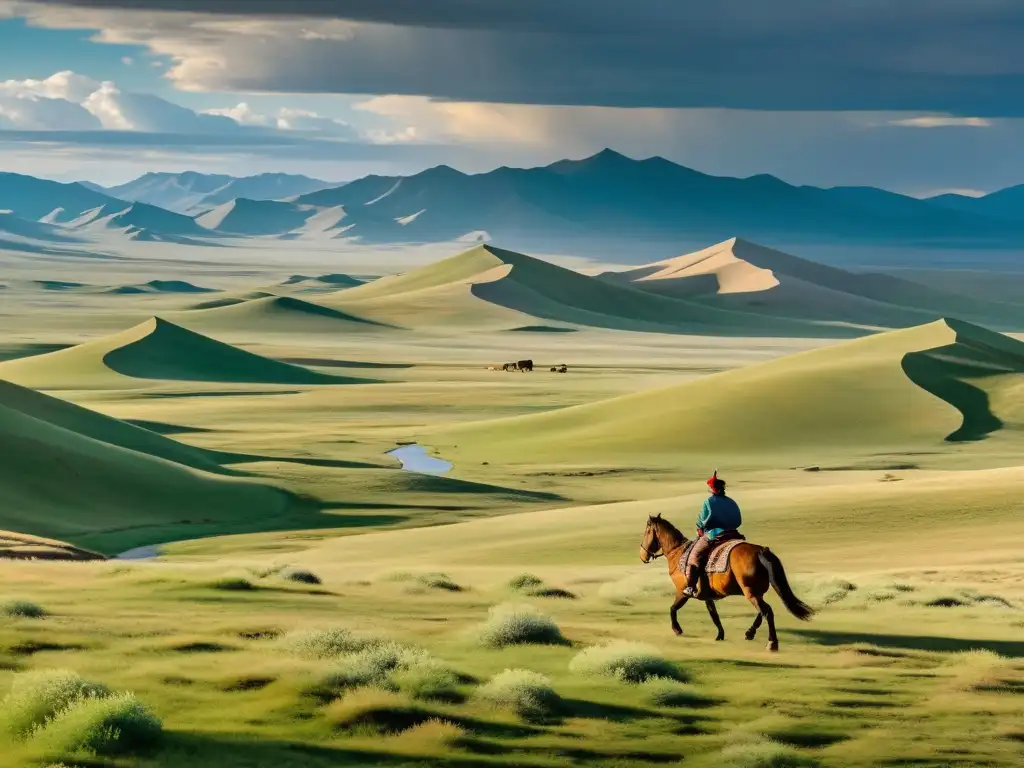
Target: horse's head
{"type": "Point", "coordinates": [650, 546]}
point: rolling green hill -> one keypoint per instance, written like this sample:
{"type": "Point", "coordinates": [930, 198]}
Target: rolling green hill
{"type": "Point", "coordinates": [897, 391]}
{"type": "Point", "coordinates": [71, 474]}
{"type": "Point", "coordinates": [273, 314]}
{"type": "Point", "coordinates": [154, 350]}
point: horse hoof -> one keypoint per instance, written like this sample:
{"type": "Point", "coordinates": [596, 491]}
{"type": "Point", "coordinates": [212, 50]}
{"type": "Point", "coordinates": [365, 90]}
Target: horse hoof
{"type": "Point", "coordinates": [678, 631]}
{"type": "Point", "coordinates": [773, 645]}
{"type": "Point", "coordinates": [749, 635]}
{"type": "Point", "coordinates": [720, 637]}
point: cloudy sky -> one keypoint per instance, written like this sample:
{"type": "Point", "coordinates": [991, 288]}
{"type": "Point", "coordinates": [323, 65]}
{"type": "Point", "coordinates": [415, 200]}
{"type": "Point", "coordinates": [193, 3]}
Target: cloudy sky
{"type": "Point", "coordinates": [918, 96]}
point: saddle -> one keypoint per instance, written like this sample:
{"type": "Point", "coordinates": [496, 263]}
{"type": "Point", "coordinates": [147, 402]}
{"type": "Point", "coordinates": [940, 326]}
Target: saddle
{"type": "Point", "coordinates": [718, 558]}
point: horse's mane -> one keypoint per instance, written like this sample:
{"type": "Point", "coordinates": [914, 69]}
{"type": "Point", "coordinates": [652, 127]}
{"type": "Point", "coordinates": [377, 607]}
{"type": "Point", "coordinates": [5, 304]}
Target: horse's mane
{"type": "Point", "coordinates": [665, 526]}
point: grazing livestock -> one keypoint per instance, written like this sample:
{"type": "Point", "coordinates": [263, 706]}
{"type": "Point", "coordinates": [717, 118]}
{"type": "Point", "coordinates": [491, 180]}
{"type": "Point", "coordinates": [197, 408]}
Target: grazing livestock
{"type": "Point", "coordinates": [508, 367]}
{"type": "Point", "coordinates": [525, 365]}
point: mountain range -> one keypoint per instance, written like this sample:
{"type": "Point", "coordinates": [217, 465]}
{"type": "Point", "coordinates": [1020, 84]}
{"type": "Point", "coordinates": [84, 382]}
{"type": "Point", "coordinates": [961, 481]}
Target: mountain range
{"type": "Point", "coordinates": [605, 198]}
{"type": "Point", "coordinates": [192, 192]}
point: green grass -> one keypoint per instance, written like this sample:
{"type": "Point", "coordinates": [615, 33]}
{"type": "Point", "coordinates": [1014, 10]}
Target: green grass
{"type": "Point", "coordinates": [626, 661]}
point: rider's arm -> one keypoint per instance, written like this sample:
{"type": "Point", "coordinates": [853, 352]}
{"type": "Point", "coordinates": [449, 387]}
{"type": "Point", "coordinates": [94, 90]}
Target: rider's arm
{"type": "Point", "coordinates": [704, 516]}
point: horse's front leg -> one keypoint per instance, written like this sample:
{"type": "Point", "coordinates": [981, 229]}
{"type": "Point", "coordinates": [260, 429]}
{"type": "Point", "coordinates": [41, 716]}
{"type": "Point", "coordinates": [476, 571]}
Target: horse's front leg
{"type": "Point", "coordinates": [679, 602]}
{"type": "Point", "coordinates": [713, 612]}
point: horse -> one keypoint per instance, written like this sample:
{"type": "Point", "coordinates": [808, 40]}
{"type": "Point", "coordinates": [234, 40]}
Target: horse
{"type": "Point", "coordinates": [752, 570]}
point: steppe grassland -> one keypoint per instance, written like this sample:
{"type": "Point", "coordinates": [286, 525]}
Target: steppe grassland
{"type": "Point", "coordinates": [910, 575]}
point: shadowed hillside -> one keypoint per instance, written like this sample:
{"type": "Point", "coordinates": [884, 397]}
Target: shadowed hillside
{"type": "Point", "coordinates": [739, 275]}
{"type": "Point", "coordinates": [506, 288]}
{"type": "Point", "coordinates": [273, 314]}
{"type": "Point", "coordinates": [71, 474]}
{"type": "Point", "coordinates": [155, 350]}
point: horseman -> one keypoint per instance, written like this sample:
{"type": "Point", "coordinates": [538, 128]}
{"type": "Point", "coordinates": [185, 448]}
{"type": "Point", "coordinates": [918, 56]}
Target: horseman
{"type": "Point", "coordinates": [718, 519]}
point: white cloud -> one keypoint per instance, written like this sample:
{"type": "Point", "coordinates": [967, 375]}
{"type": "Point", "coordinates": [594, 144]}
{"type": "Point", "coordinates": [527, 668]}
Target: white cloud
{"type": "Point", "coordinates": [942, 121]}
{"type": "Point", "coordinates": [289, 119]}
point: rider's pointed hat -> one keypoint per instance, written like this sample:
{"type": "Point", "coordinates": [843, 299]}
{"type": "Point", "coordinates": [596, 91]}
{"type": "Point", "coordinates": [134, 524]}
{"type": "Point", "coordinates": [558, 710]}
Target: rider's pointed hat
{"type": "Point", "coordinates": [714, 482]}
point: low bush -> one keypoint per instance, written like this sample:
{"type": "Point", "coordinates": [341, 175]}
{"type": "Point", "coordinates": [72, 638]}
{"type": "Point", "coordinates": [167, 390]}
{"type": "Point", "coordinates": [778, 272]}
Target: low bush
{"type": "Point", "coordinates": [37, 696]}
{"type": "Point", "coordinates": [302, 577]}
{"type": "Point", "coordinates": [111, 725]}
{"type": "Point", "coordinates": [518, 624]}
{"type": "Point", "coordinates": [525, 581]}
{"type": "Point", "coordinates": [629, 662]}
{"type": "Point", "coordinates": [22, 609]}
{"type": "Point", "coordinates": [526, 693]}
{"type": "Point", "coordinates": [434, 734]}
{"type": "Point", "coordinates": [371, 667]}
{"type": "Point", "coordinates": [319, 644]}
{"type": "Point", "coordinates": [428, 681]}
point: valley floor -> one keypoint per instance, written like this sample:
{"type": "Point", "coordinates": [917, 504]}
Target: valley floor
{"type": "Point", "coordinates": [370, 626]}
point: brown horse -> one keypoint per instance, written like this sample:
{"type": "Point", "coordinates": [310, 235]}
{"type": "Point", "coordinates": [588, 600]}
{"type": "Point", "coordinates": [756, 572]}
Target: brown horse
{"type": "Point", "coordinates": [752, 570]}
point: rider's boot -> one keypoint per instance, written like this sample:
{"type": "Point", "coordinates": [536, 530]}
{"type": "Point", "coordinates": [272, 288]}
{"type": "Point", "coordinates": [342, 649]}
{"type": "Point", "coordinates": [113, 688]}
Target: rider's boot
{"type": "Point", "coordinates": [692, 577]}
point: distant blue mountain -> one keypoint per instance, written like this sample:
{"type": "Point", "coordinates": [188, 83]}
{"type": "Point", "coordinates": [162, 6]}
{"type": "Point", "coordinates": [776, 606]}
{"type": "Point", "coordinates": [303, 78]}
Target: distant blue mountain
{"type": "Point", "coordinates": [1007, 204]}
{"type": "Point", "coordinates": [34, 199]}
{"type": "Point", "coordinates": [610, 196]}
{"type": "Point", "coordinates": [192, 192]}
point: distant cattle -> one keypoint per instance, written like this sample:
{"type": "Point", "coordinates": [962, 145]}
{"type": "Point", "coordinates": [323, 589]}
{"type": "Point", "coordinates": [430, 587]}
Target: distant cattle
{"type": "Point", "coordinates": [563, 368]}
{"type": "Point", "coordinates": [525, 365]}
{"type": "Point", "coordinates": [508, 367]}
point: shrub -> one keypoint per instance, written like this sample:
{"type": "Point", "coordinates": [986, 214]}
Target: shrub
{"type": "Point", "coordinates": [764, 753]}
{"type": "Point", "coordinates": [662, 692]}
{"type": "Point", "coordinates": [438, 581]}
{"type": "Point", "coordinates": [435, 733]}
{"type": "Point", "coordinates": [37, 696]}
{"type": "Point", "coordinates": [233, 584]}
{"type": "Point", "coordinates": [428, 681]}
{"type": "Point", "coordinates": [302, 577]}
{"type": "Point", "coordinates": [979, 670]}
{"type": "Point", "coordinates": [526, 693]}
{"type": "Point", "coordinates": [556, 592]}
{"type": "Point", "coordinates": [22, 609]}
{"type": "Point", "coordinates": [525, 581]}
{"type": "Point", "coordinates": [111, 725]}
{"type": "Point", "coordinates": [321, 644]}
{"type": "Point", "coordinates": [629, 662]}
{"type": "Point", "coordinates": [370, 667]}
{"type": "Point", "coordinates": [518, 624]}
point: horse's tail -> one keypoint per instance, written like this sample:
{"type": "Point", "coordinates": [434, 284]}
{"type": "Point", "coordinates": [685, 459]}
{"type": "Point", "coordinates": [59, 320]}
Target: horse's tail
{"type": "Point", "coordinates": [779, 582]}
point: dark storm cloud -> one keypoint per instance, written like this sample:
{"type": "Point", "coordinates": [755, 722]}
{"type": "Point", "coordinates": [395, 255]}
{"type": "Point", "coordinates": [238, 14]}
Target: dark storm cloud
{"type": "Point", "coordinates": [956, 56]}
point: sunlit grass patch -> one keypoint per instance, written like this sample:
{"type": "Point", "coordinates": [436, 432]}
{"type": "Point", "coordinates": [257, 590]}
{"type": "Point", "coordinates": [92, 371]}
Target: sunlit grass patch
{"type": "Point", "coordinates": [626, 661]}
{"type": "Point", "coordinates": [511, 624]}
{"type": "Point", "coordinates": [433, 735]}
{"type": "Point", "coordinates": [979, 670]}
{"type": "Point", "coordinates": [22, 609]}
{"type": "Point", "coordinates": [635, 587]}
{"type": "Point", "coordinates": [434, 580]}
{"type": "Point", "coordinates": [523, 691]}
{"type": "Point", "coordinates": [759, 752]}
{"type": "Point", "coordinates": [375, 711]}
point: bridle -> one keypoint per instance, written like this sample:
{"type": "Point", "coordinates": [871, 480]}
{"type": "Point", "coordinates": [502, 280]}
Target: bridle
{"type": "Point", "coordinates": [653, 555]}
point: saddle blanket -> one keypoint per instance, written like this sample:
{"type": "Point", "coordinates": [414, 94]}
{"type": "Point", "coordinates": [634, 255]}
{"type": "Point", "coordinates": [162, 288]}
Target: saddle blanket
{"type": "Point", "coordinates": [718, 560]}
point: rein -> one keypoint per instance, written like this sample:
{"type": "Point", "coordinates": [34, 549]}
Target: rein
{"type": "Point", "coordinates": [653, 555]}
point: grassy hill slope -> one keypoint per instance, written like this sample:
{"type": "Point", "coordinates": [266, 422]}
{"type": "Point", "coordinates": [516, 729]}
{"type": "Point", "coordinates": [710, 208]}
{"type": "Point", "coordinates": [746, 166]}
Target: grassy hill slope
{"type": "Point", "coordinates": [154, 350]}
{"type": "Point", "coordinates": [896, 391]}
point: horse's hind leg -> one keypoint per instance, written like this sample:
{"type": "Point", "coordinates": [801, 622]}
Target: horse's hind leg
{"type": "Point", "coordinates": [769, 616]}
{"type": "Point", "coordinates": [713, 612]}
{"type": "Point", "coordinates": [752, 632]}
{"type": "Point", "coordinates": [680, 601]}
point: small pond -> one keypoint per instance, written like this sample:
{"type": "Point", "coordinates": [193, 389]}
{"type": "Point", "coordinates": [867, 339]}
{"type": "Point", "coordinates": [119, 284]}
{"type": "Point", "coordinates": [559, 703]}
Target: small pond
{"type": "Point", "coordinates": [414, 458]}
